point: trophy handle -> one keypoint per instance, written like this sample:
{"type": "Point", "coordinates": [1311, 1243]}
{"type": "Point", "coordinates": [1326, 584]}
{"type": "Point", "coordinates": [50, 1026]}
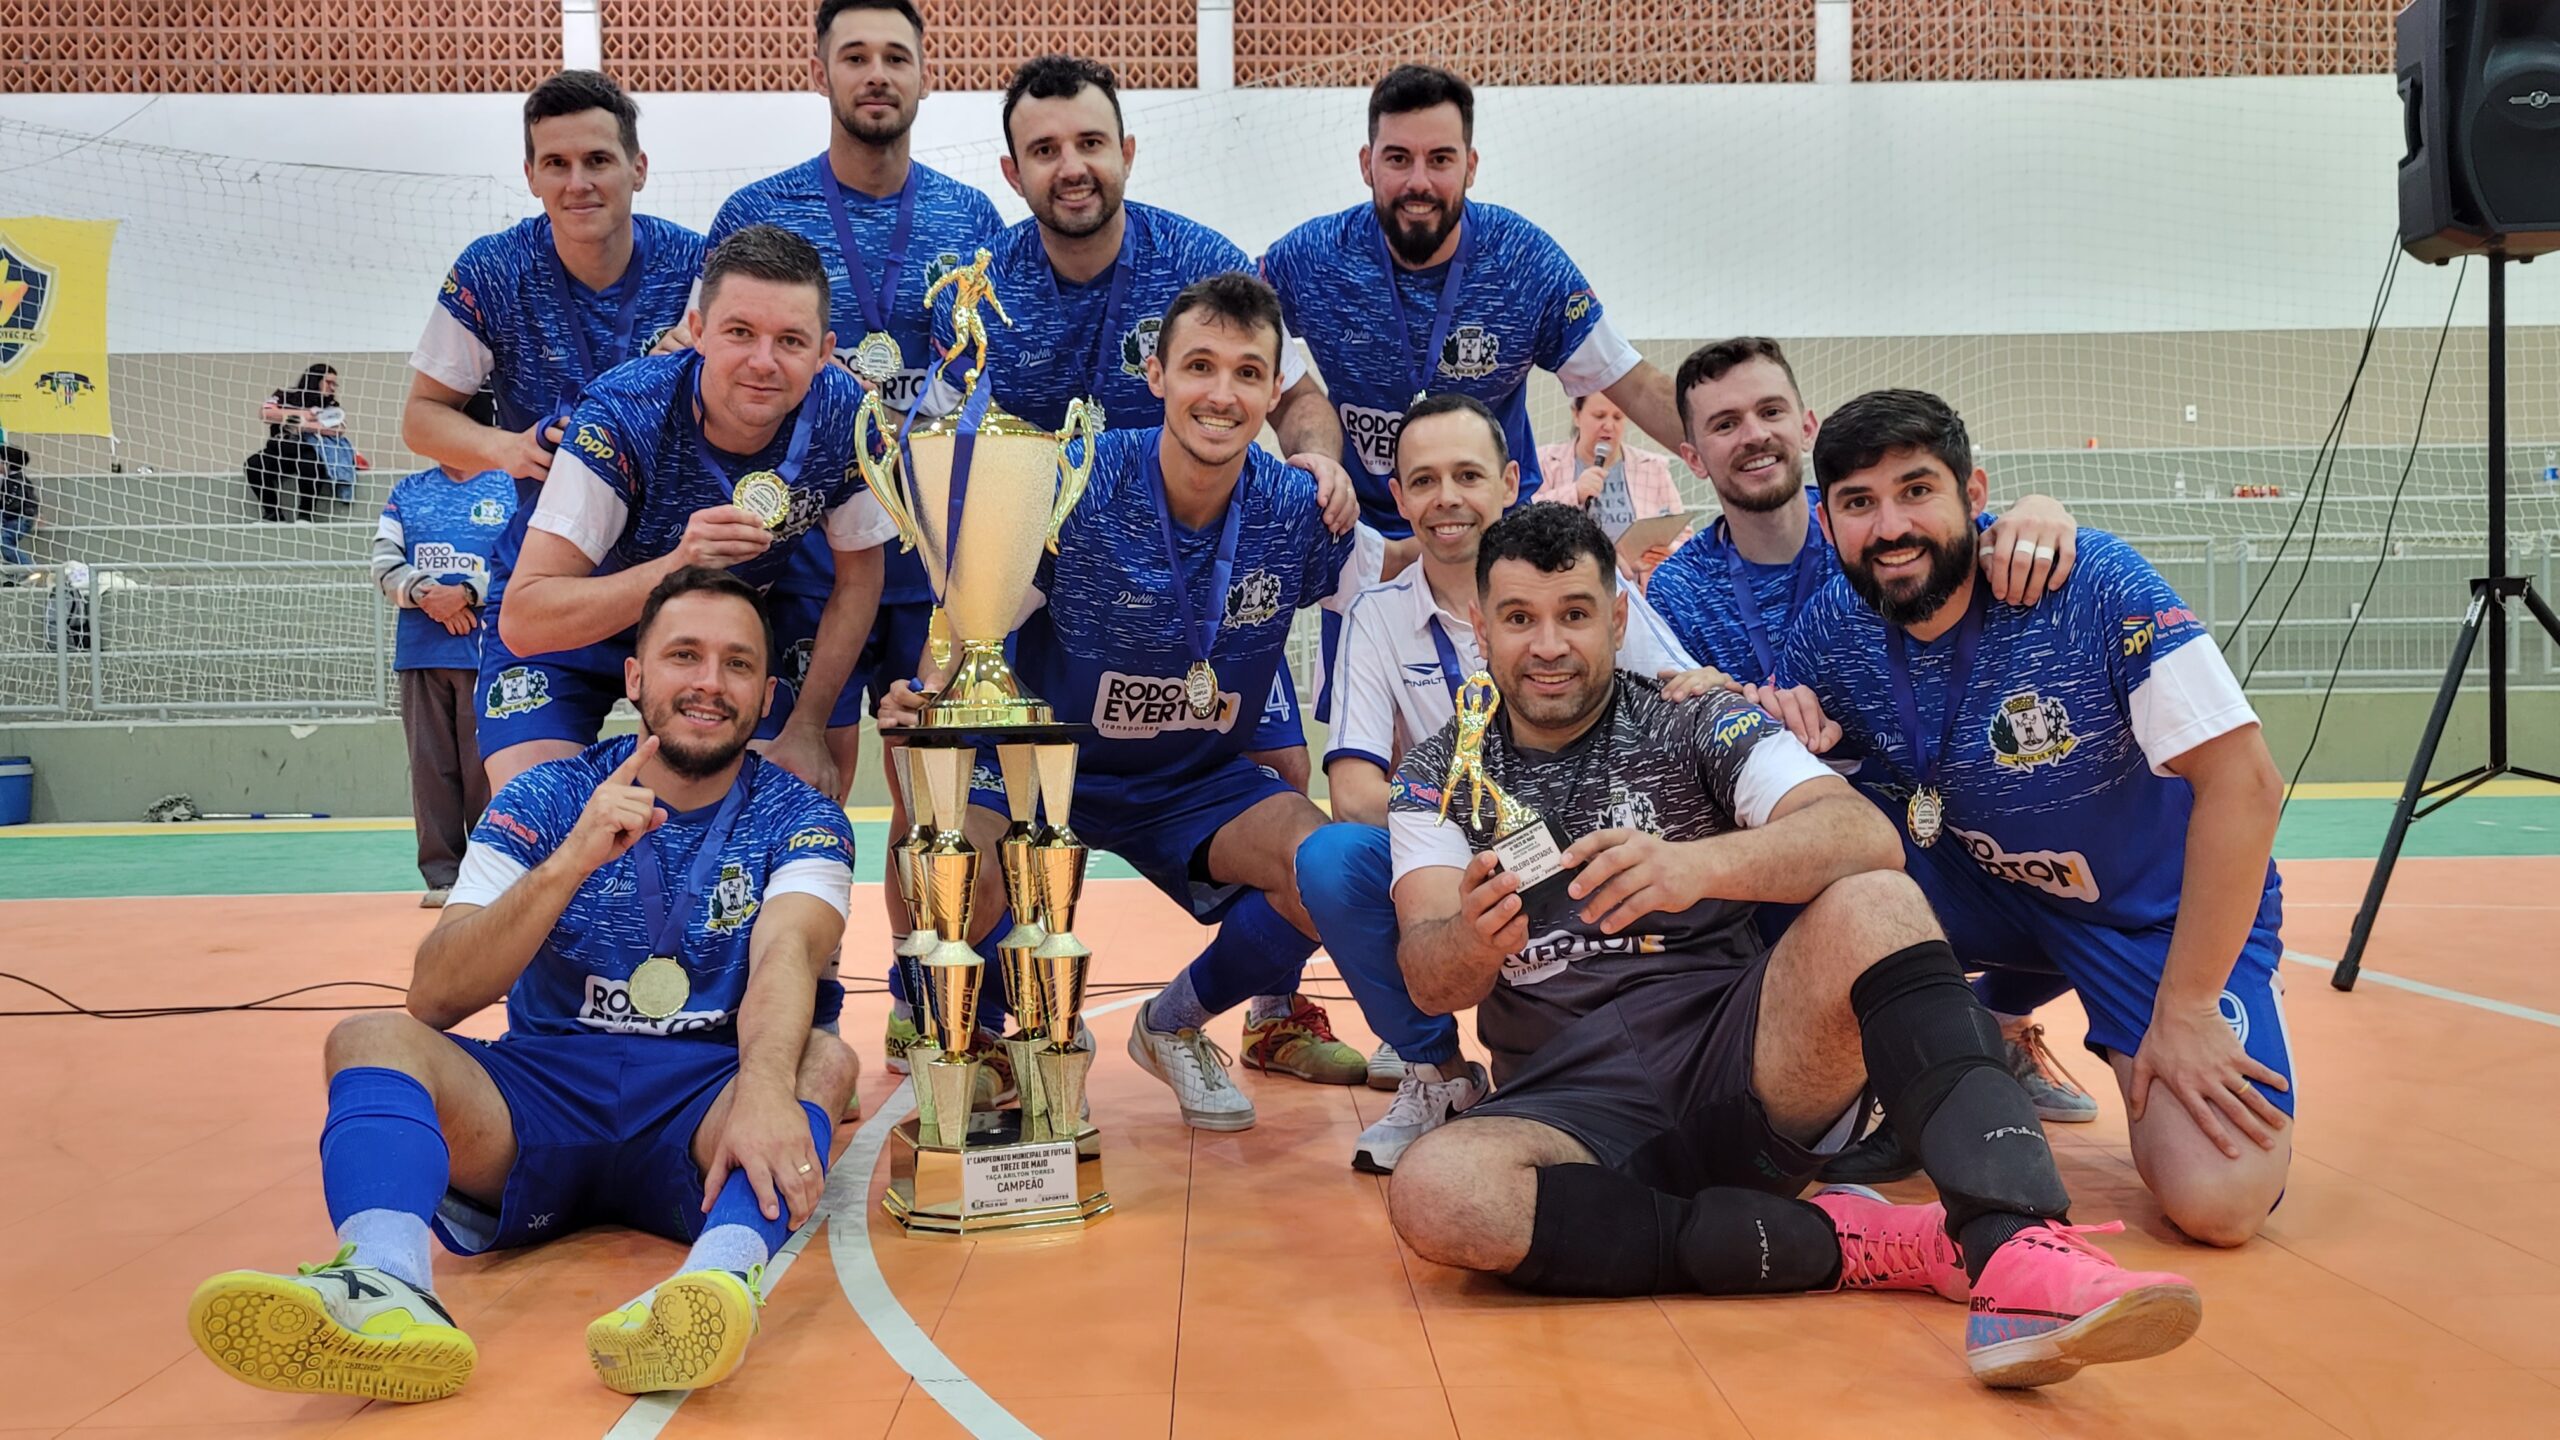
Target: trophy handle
{"type": "Point", "coordinates": [1082, 424]}
{"type": "Point", "coordinates": [882, 474]}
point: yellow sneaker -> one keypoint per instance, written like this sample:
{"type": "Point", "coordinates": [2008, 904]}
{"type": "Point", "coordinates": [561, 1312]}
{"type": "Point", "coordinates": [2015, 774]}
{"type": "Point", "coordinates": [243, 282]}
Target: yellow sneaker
{"type": "Point", "coordinates": [688, 1333]}
{"type": "Point", "coordinates": [1302, 1043]}
{"type": "Point", "coordinates": [335, 1329]}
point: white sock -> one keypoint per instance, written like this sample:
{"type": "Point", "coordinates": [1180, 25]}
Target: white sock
{"type": "Point", "coordinates": [394, 1242]}
{"type": "Point", "coordinates": [1269, 1007]}
{"type": "Point", "coordinates": [726, 1247]}
{"type": "Point", "coordinates": [901, 1010]}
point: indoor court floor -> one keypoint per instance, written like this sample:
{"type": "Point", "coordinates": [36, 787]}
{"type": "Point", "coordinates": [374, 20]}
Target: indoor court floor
{"type": "Point", "coordinates": [1248, 1284]}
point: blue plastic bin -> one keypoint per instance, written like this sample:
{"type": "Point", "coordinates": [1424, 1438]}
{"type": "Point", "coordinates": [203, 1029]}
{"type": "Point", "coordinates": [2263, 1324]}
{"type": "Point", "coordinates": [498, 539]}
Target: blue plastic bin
{"type": "Point", "coordinates": [17, 789]}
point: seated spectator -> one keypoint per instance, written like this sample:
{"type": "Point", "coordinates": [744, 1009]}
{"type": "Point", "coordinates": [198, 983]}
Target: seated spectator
{"type": "Point", "coordinates": [290, 466]}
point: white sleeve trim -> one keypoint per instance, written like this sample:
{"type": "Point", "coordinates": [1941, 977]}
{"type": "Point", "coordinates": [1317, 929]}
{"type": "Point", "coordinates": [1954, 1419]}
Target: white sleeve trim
{"type": "Point", "coordinates": [1360, 569]}
{"type": "Point", "coordinates": [487, 872]}
{"type": "Point", "coordinates": [1424, 842]}
{"type": "Point", "coordinates": [1650, 647]}
{"type": "Point", "coordinates": [2190, 697]}
{"type": "Point", "coordinates": [1603, 360]}
{"type": "Point", "coordinates": [1775, 767]}
{"type": "Point", "coordinates": [861, 523]}
{"type": "Point", "coordinates": [1363, 688]}
{"type": "Point", "coordinates": [579, 507]}
{"type": "Point", "coordinates": [389, 528]}
{"type": "Point", "coordinates": [1293, 365]}
{"type": "Point", "coordinates": [450, 355]}
{"type": "Point", "coordinates": [829, 880]}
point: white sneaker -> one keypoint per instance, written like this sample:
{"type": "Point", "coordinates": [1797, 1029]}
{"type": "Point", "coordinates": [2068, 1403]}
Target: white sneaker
{"type": "Point", "coordinates": [1386, 1068]}
{"type": "Point", "coordinates": [1424, 1103]}
{"type": "Point", "coordinates": [335, 1328]}
{"type": "Point", "coordinates": [1196, 1068]}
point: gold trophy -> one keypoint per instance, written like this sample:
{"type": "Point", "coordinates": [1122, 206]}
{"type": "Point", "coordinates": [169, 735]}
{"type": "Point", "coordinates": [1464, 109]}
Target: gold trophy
{"type": "Point", "coordinates": [981, 493]}
{"type": "Point", "coordinates": [1528, 844]}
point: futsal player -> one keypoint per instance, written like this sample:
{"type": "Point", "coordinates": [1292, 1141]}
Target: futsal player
{"type": "Point", "coordinates": [653, 911]}
{"type": "Point", "coordinates": [1408, 645]}
{"type": "Point", "coordinates": [533, 313]}
{"type": "Point", "coordinates": [2085, 792]}
{"type": "Point", "coordinates": [888, 227]}
{"type": "Point", "coordinates": [1734, 593]}
{"type": "Point", "coordinates": [1674, 1081]}
{"type": "Point", "coordinates": [1163, 614]}
{"type": "Point", "coordinates": [661, 454]}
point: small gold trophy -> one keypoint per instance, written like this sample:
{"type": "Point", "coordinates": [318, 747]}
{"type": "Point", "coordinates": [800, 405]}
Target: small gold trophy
{"type": "Point", "coordinates": [981, 493]}
{"type": "Point", "coordinates": [1528, 844]}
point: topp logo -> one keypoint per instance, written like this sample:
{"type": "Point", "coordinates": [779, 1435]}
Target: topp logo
{"type": "Point", "coordinates": [814, 839]}
{"type": "Point", "coordinates": [1373, 436]}
{"type": "Point", "coordinates": [1140, 707]}
{"type": "Point", "coordinates": [2055, 872]}
{"type": "Point", "coordinates": [1747, 721]}
{"type": "Point", "coordinates": [594, 441]}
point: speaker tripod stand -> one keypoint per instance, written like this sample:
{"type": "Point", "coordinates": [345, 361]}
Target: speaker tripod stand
{"type": "Point", "coordinates": [2490, 596]}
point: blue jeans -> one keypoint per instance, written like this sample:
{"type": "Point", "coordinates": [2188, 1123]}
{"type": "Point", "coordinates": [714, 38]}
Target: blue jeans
{"type": "Point", "coordinates": [1344, 874]}
{"type": "Point", "coordinates": [13, 539]}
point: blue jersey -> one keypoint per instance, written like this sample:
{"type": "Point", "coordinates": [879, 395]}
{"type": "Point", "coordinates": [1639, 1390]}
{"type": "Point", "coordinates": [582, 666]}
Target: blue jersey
{"type": "Point", "coordinates": [448, 529]}
{"type": "Point", "coordinates": [1069, 340]}
{"type": "Point", "coordinates": [1694, 592]}
{"type": "Point", "coordinates": [1521, 304]}
{"type": "Point", "coordinates": [635, 433]}
{"type": "Point", "coordinates": [1110, 648]}
{"type": "Point", "coordinates": [499, 322]}
{"type": "Point", "coordinates": [2055, 780]}
{"type": "Point", "coordinates": [786, 838]}
{"type": "Point", "coordinates": [951, 221]}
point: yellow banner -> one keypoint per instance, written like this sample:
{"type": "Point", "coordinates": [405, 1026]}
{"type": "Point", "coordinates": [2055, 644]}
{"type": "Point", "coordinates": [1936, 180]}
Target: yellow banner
{"type": "Point", "coordinates": [53, 325]}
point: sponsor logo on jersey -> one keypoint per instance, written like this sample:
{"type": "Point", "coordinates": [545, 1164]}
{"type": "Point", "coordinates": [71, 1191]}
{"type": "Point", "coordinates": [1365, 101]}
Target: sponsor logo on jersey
{"type": "Point", "coordinates": [2176, 617]}
{"type": "Point", "coordinates": [436, 558]}
{"type": "Point", "coordinates": [1578, 304]}
{"type": "Point", "coordinates": [2029, 730]}
{"type": "Point", "coordinates": [1470, 353]}
{"type": "Point", "coordinates": [488, 512]}
{"type": "Point", "coordinates": [1546, 956]}
{"type": "Point", "coordinates": [1140, 707]}
{"type": "Point", "coordinates": [2234, 1014]}
{"type": "Point", "coordinates": [592, 440]}
{"type": "Point", "coordinates": [1253, 599]}
{"type": "Point", "coordinates": [898, 392]}
{"type": "Point", "coordinates": [608, 1008]}
{"type": "Point", "coordinates": [1132, 600]}
{"type": "Point", "coordinates": [2056, 872]}
{"type": "Point", "coordinates": [517, 690]}
{"type": "Point", "coordinates": [1420, 792]}
{"type": "Point", "coordinates": [1373, 436]}
{"type": "Point", "coordinates": [2138, 634]}
{"type": "Point", "coordinates": [1743, 723]}
{"type": "Point", "coordinates": [1138, 344]}
{"type": "Point", "coordinates": [501, 820]}
{"type": "Point", "coordinates": [816, 837]}
{"type": "Point", "coordinates": [1425, 676]}
{"type": "Point", "coordinates": [733, 900]}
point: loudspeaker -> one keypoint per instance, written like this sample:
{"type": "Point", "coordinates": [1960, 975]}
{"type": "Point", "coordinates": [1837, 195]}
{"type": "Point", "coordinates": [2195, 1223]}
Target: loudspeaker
{"type": "Point", "coordinates": [2480, 100]}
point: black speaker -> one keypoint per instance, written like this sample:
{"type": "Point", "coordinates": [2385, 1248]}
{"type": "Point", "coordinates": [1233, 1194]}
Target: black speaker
{"type": "Point", "coordinates": [2480, 99]}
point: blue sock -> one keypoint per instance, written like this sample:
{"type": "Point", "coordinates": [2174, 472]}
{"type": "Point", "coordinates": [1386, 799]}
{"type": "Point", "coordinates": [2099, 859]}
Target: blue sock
{"type": "Point", "coordinates": [383, 1168]}
{"type": "Point", "coordinates": [736, 1204]}
{"type": "Point", "coordinates": [1255, 952]}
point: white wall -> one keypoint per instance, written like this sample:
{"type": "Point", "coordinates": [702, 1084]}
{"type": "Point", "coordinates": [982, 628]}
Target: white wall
{"type": "Point", "coordinates": [1802, 210]}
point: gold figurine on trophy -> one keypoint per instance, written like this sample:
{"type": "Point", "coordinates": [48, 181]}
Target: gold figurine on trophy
{"type": "Point", "coordinates": [1528, 844]}
{"type": "Point", "coordinates": [969, 289]}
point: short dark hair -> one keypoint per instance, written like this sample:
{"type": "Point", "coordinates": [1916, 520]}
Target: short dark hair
{"type": "Point", "coordinates": [1876, 424]}
{"type": "Point", "coordinates": [766, 252]}
{"type": "Point", "coordinates": [828, 10]}
{"type": "Point", "coordinates": [573, 92]}
{"type": "Point", "coordinates": [1550, 536]}
{"type": "Point", "coordinates": [1239, 299]}
{"type": "Point", "coordinates": [704, 580]}
{"type": "Point", "coordinates": [1712, 360]}
{"type": "Point", "coordinates": [1408, 88]}
{"type": "Point", "coordinates": [1059, 77]}
{"type": "Point", "coordinates": [1451, 402]}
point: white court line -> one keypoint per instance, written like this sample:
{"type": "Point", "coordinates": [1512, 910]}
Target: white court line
{"type": "Point", "coordinates": [2435, 992]}
{"type": "Point", "coordinates": [858, 1274]}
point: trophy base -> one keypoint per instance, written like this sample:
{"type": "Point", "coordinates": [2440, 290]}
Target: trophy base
{"type": "Point", "coordinates": [997, 1182]}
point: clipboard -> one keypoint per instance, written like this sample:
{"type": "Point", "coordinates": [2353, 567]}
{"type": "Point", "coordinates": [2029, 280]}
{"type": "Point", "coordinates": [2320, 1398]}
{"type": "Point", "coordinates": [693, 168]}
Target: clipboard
{"type": "Point", "coordinates": [1655, 530]}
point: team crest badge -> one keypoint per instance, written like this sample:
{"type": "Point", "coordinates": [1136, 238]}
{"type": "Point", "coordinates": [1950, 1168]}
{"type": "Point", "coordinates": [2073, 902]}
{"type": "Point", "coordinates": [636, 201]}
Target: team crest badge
{"type": "Point", "coordinates": [941, 265]}
{"type": "Point", "coordinates": [733, 899]}
{"type": "Point", "coordinates": [26, 299]}
{"type": "Point", "coordinates": [518, 690]}
{"type": "Point", "coordinates": [1137, 345]}
{"type": "Point", "coordinates": [1633, 810]}
{"type": "Point", "coordinates": [1470, 353]}
{"type": "Point", "coordinates": [1253, 599]}
{"type": "Point", "coordinates": [488, 512]}
{"type": "Point", "coordinates": [795, 662]}
{"type": "Point", "coordinates": [2029, 730]}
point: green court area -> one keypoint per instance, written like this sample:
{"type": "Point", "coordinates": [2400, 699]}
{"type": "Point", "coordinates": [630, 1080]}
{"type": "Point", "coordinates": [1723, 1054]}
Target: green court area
{"type": "Point", "coordinates": [36, 865]}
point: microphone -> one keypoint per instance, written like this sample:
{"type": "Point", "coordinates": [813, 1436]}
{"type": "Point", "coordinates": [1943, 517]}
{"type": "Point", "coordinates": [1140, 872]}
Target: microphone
{"type": "Point", "coordinates": [1599, 461]}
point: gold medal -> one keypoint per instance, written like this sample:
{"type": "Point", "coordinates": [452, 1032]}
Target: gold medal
{"type": "Point", "coordinates": [1200, 689]}
{"type": "Point", "coordinates": [878, 359]}
{"type": "Point", "coordinates": [660, 987]}
{"type": "Point", "coordinates": [763, 495]}
{"type": "Point", "coordinates": [1927, 813]}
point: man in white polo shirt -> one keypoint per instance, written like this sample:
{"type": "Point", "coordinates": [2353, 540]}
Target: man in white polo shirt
{"type": "Point", "coordinates": [1406, 647]}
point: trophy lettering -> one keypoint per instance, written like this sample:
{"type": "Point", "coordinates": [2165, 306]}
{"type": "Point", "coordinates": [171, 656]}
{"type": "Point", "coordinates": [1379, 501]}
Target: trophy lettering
{"type": "Point", "coordinates": [981, 493]}
{"type": "Point", "coordinates": [1528, 844]}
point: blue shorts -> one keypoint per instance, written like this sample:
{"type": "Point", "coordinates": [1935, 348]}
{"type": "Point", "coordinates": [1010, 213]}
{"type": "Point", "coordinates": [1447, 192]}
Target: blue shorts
{"type": "Point", "coordinates": [894, 652]}
{"type": "Point", "coordinates": [1280, 727]}
{"type": "Point", "coordinates": [1162, 824]}
{"type": "Point", "coordinates": [1329, 633]}
{"type": "Point", "coordinates": [795, 634]}
{"type": "Point", "coordinates": [1999, 927]}
{"type": "Point", "coordinates": [604, 1136]}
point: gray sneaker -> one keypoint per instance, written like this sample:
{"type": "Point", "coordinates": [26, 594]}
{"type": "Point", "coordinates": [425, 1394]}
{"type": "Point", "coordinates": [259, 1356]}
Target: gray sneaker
{"type": "Point", "coordinates": [1430, 1097]}
{"type": "Point", "coordinates": [1196, 1070]}
{"type": "Point", "coordinates": [2059, 1099]}
{"type": "Point", "coordinates": [1386, 1068]}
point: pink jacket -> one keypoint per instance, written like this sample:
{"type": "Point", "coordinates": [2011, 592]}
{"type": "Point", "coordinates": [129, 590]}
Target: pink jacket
{"type": "Point", "coordinates": [1649, 484]}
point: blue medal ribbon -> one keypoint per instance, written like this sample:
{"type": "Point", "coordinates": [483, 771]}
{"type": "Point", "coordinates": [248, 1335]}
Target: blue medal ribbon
{"type": "Point", "coordinates": [1111, 304]}
{"type": "Point", "coordinates": [668, 916]}
{"type": "Point", "coordinates": [1928, 758]}
{"type": "Point", "coordinates": [1450, 284]}
{"type": "Point", "coordinates": [803, 421]}
{"type": "Point", "coordinates": [1807, 577]}
{"type": "Point", "coordinates": [1200, 631]}
{"type": "Point", "coordinates": [1449, 668]}
{"type": "Point", "coordinates": [873, 302]}
{"type": "Point", "coordinates": [625, 318]}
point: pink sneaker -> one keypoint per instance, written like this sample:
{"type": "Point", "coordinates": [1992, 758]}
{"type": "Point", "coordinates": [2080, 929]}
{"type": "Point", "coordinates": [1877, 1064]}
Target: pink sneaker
{"type": "Point", "coordinates": [2050, 1302]}
{"type": "Point", "coordinates": [1884, 1246]}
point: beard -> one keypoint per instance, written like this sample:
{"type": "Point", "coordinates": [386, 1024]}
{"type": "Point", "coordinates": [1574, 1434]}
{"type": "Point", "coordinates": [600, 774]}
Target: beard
{"type": "Point", "coordinates": [1049, 214]}
{"type": "Point", "coordinates": [1414, 244]}
{"type": "Point", "coordinates": [1739, 491]}
{"type": "Point", "coordinates": [1907, 604]}
{"type": "Point", "coordinates": [694, 760]}
{"type": "Point", "coordinates": [874, 132]}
